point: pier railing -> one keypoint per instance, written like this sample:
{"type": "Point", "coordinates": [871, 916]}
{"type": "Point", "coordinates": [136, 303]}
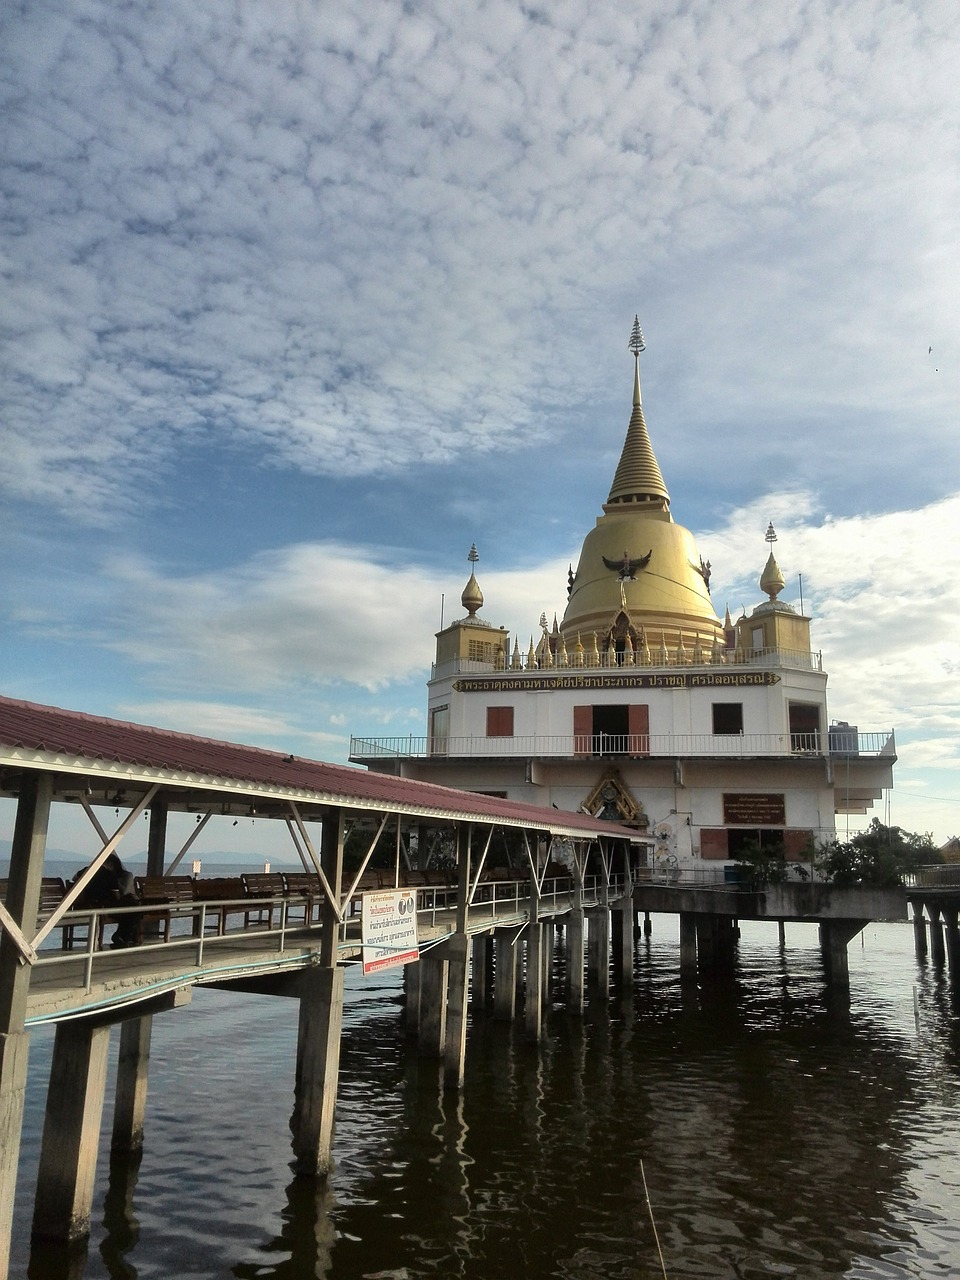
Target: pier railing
{"type": "Point", "coordinates": [942, 876]}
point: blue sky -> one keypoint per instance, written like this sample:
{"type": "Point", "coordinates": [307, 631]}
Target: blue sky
{"type": "Point", "coordinates": [300, 300]}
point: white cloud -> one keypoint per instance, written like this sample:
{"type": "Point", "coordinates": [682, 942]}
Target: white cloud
{"type": "Point", "coordinates": [363, 239]}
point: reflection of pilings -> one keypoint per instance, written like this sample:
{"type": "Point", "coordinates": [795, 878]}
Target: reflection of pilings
{"type": "Point", "coordinates": [919, 931]}
{"type": "Point", "coordinates": [505, 975]}
{"type": "Point", "coordinates": [71, 1132]}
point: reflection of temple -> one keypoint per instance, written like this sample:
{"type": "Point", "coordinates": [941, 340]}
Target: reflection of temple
{"type": "Point", "coordinates": [641, 703]}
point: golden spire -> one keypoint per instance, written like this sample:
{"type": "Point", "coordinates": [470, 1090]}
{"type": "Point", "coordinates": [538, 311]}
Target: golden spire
{"type": "Point", "coordinates": [638, 477]}
{"type": "Point", "coordinates": [771, 580]}
{"type": "Point", "coordinates": [472, 598]}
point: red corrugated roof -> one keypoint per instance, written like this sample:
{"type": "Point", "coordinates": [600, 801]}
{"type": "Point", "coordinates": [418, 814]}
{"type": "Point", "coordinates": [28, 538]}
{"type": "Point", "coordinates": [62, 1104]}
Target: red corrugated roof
{"type": "Point", "coordinates": [32, 728]}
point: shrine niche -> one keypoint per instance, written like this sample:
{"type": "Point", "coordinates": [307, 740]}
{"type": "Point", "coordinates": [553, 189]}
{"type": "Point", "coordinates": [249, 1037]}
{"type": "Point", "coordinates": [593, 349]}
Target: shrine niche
{"type": "Point", "coordinates": [611, 799]}
{"type": "Point", "coordinates": [623, 642]}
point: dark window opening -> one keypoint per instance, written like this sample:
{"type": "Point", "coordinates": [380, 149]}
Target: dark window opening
{"type": "Point", "coordinates": [766, 840]}
{"type": "Point", "coordinates": [804, 727]}
{"type": "Point", "coordinates": [728, 717]}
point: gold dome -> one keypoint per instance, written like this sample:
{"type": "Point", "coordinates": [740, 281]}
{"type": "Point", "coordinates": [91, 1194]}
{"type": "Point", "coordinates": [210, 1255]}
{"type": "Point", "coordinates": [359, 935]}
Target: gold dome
{"type": "Point", "coordinates": [638, 569]}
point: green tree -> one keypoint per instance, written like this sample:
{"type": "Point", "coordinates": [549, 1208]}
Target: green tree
{"type": "Point", "coordinates": [880, 856]}
{"type": "Point", "coordinates": [762, 864]}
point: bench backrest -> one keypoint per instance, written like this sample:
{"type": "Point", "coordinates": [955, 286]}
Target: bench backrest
{"type": "Point", "coordinates": [218, 889]}
{"type": "Point", "coordinates": [262, 884]}
{"type": "Point", "coordinates": [165, 889]}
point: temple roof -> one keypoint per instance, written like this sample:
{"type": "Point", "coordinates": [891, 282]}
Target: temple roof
{"type": "Point", "coordinates": [638, 477]}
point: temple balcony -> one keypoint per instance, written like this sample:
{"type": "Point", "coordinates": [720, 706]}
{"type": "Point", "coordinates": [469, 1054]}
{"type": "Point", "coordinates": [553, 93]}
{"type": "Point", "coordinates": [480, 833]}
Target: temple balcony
{"type": "Point", "coordinates": [841, 743]}
{"type": "Point", "coordinates": [686, 656]}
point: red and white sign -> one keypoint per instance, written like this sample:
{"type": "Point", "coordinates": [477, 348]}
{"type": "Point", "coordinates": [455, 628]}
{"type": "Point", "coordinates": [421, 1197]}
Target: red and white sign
{"type": "Point", "coordinates": [388, 929]}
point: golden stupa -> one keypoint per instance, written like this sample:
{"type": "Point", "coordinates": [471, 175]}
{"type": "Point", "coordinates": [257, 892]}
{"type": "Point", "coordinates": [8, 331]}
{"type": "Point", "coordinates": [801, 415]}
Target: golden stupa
{"type": "Point", "coordinates": [640, 584]}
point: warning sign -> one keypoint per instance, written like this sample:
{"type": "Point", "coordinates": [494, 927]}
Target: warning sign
{"type": "Point", "coordinates": [388, 928]}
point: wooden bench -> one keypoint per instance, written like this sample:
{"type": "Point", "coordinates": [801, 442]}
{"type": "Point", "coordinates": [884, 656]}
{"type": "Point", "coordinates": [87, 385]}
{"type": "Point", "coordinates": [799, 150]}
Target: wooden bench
{"type": "Point", "coordinates": [158, 894]}
{"type": "Point", "coordinates": [222, 897]}
{"type": "Point", "coordinates": [53, 890]}
{"type": "Point", "coordinates": [305, 890]}
{"type": "Point", "coordinates": [263, 884]}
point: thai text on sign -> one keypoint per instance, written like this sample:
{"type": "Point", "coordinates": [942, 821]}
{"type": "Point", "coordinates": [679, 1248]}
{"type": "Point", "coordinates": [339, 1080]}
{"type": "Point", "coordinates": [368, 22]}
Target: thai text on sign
{"type": "Point", "coordinates": [388, 929]}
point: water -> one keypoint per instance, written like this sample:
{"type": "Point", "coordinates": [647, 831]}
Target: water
{"type": "Point", "coordinates": [780, 1135]}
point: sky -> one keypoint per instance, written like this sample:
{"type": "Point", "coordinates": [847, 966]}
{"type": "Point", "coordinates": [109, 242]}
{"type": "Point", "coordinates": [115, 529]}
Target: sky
{"type": "Point", "coordinates": [301, 300]}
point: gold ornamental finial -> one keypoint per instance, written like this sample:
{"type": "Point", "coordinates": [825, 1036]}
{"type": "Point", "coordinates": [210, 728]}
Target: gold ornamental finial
{"type": "Point", "coordinates": [472, 598]}
{"type": "Point", "coordinates": [636, 343]}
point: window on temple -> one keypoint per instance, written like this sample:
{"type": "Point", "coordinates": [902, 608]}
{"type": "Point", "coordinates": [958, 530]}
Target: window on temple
{"type": "Point", "coordinates": [728, 717]}
{"type": "Point", "coordinates": [499, 722]}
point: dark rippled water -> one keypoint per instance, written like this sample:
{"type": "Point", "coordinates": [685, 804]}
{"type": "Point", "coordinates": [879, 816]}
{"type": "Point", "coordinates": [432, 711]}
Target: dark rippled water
{"type": "Point", "coordinates": [780, 1136]}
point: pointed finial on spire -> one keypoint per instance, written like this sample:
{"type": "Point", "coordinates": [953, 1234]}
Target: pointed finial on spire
{"type": "Point", "coordinates": [636, 343]}
{"type": "Point", "coordinates": [473, 555]}
{"type": "Point", "coordinates": [771, 534]}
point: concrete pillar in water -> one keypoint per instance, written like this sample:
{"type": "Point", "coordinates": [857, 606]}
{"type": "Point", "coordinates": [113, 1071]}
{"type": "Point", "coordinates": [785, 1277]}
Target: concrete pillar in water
{"type": "Point", "coordinates": [688, 945]}
{"type": "Point", "coordinates": [706, 941]}
{"type": "Point", "coordinates": [953, 938]}
{"type": "Point", "coordinates": [546, 972]}
{"type": "Point", "coordinates": [23, 898]}
{"type": "Point", "coordinates": [624, 953]}
{"type": "Point", "coordinates": [482, 971]}
{"type": "Point", "coordinates": [321, 1020]}
{"type": "Point", "coordinates": [647, 925]}
{"type": "Point", "coordinates": [782, 934]}
{"type": "Point", "coordinates": [574, 961]}
{"type": "Point", "coordinates": [505, 976]}
{"type": "Point", "coordinates": [598, 951]}
{"type": "Point", "coordinates": [434, 972]}
{"type": "Point", "coordinates": [411, 999]}
{"type": "Point", "coordinates": [533, 1005]}
{"type": "Point", "coordinates": [834, 937]}
{"type": "Point", "coordinates": [937, 953]}
{"type": "Point", "coordinates": [71, 1132]}
{"type": "Point", "coordinates": [455, 1035]}
{"type": "Point", "coordinates": [133, 1068]}
{"type": "Point", "coordinates": [318, 1069]}
{"type": "Point", "coordinates": [919, 931]}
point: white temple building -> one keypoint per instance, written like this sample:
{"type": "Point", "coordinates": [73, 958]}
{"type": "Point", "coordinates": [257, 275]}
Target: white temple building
{"type": "Point", "coordinates": [641, 702]}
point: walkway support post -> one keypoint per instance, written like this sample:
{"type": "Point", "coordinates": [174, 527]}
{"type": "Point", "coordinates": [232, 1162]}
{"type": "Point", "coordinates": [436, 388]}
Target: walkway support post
{"type": "Point", "coordinates": [458, 969]}
{"type": "Point", "coordinates": [834, 936]}
{"type": "Point", "coordinates": [598, 951]}
{"type": "Point", "coordinates": [937, 954]}
{"type": "Point", "coordinates": [505, 975]}
{"type": "Point", "coordinates": [481, 970]}
{"type": "Point", "coordinates": [133, 1062]}
{"type": "Point", "coordinates": [574, 941]}
{"type": "Point", "coordinates": [71, 1132]}
{"type": "Point", "coordinates": [919, 931]}
{"type": "Point", "coordinates": [533, 1005]}
{"type": "Point", "coordinates": [23, 899]}
{"type": "Point", "coordinates": [133, 1068]}
{"type": "Point", "coordinates": [688, 945]}
{"type": "Point", "coordinates": [321, 1018]}
{"type": "Point", "coordinates": [434, 973]}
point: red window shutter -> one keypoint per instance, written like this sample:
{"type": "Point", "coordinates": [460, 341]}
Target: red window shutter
{"type": "Point", "coordinates": [582, 730]}
{"type": "Point", "coordinates": [797, 845]}
{"type": "Point", "coordinates": [499, 722]}
{"type": "Point", "coordinates": [713, 843]}
{"type": "Point", "coordinates": [638, 727]}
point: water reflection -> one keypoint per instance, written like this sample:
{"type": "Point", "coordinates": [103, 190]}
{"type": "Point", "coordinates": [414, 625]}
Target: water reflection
{"type": "Point", "coordinates": [781, 1133]}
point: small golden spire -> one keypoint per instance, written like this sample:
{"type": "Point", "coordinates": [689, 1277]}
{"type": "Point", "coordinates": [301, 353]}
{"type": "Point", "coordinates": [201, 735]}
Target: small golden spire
{"type": "Point", "coordinates": [472, 597]}
{"type": "Point", "coordinates": [771, 580]}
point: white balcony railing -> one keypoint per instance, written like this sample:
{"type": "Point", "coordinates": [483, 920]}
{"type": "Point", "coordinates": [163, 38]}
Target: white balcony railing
{"type": "Point", "coordinates": [685, 656]}
{"type": "Point", "coordinates": [850, 744]}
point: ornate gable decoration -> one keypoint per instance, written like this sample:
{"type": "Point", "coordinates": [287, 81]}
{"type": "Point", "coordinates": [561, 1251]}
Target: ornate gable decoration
{"type": "Point", "coordinates": [611, 800]}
